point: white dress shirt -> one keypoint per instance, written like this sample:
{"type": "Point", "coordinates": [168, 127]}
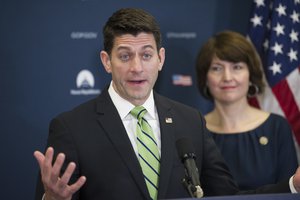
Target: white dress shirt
{"type": "Point", "coordinates": [124, 107]}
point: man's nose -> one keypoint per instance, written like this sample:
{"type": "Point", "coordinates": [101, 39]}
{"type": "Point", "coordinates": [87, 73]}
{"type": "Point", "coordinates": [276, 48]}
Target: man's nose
{"type": "Point", "coordinates": [136, 64]}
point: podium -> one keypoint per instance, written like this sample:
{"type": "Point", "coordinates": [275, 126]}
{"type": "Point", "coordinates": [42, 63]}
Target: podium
{"type": "Point", "coordinates": [287, 196]}
{"type": "Point", "coordinates": [257, 197]}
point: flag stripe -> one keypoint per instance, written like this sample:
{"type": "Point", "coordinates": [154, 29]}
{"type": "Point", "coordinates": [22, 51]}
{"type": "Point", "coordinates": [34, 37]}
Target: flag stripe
{"type": "Point", "coordinates": [294, 83]}
{"type": "Point", "coordinates": [288, 105]}
{"type": "Point", "coordinates": [268, 102]}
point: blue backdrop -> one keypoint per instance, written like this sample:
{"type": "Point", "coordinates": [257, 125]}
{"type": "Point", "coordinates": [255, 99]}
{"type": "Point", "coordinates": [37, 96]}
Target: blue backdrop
{"type": "Point", "coordinates": [44, 45]}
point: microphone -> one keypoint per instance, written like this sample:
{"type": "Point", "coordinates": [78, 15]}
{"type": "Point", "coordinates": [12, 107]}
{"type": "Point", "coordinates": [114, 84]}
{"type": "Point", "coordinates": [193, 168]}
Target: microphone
{"type": "Point", "coordinates": [187, 155]}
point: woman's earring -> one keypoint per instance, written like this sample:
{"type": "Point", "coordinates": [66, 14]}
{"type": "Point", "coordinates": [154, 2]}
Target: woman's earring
{"type": "Point", "coordinates": [253, 90]}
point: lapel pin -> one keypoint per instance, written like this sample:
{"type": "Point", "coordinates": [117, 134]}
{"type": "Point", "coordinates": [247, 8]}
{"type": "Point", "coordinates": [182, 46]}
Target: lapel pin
{"type": "Point", "coordinates": [169, 120]}
{"type": "Point", "coordinates": [263, 140]}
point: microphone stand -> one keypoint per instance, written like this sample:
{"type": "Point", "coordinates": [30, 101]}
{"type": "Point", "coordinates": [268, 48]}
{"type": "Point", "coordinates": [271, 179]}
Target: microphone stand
{"type": "Point", "coordinates": [194, 191]}
{"type": "Point", "coordinates": [191, 176]}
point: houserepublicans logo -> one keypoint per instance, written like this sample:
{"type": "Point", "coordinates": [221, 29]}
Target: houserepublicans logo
{"type": "Point", "coordinates": [83, 35]}
{"type": "Point", "coordinates": [181, 35]}
{"type": "Point", "coordinates": [85, 83]}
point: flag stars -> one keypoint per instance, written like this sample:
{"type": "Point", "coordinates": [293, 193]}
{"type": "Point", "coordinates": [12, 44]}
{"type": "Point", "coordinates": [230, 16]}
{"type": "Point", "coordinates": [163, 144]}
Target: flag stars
{"type": "Point", "coordinates": [279, 29]}
{"type": "Point", "coordinates": [266, 44]}
{"type": "Point", "coordinates": [277, 48]}
{"type": "Point", "coordinates": [275, 68]}
{"type": "Point", "coordinates": [294, 36]}
{"type": "Point", "coordinates": [275, 32]}
{"type": "Point", "coordinates": [259, 3]}
{"type": "Point", "coordinates": [256, 20]}
{"type": "Point", "coordinates": [295, 17]}
{"type": "Point", "coordinates": [293, 55]}
{"type": "Point", "coordinates": [281, 10]}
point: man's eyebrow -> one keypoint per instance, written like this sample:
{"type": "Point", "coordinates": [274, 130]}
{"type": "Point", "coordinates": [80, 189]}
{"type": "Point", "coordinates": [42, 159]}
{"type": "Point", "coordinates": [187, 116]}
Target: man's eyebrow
{"type": "Point", "coordinates": [123, 47]}
{"type": "Point", "coordinates": [148, 46]}
{"type": "Point", "coordinates": [128, 48]}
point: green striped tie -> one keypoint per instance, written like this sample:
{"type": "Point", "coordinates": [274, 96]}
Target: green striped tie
{"type": "Point", "coordinates": [148, 151]}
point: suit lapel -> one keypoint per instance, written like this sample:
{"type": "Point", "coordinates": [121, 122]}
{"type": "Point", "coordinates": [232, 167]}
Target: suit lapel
{"type": "Point", "coordinates": [167, 143]}
{"type": "Point", "coordinates": [110, 120]}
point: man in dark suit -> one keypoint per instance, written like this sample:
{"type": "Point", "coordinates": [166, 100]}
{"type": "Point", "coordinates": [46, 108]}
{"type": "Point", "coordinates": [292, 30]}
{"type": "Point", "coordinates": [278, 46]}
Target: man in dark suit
{"type": "Point", "coordinates": [96, 149]}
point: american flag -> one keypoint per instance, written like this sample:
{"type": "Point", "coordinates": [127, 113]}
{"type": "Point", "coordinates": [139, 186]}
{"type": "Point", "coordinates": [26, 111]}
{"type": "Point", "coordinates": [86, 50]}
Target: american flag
{"type": "Point", "coordinates": [182, 80]}
{"type": "Point", "coordinates": [274, 31]}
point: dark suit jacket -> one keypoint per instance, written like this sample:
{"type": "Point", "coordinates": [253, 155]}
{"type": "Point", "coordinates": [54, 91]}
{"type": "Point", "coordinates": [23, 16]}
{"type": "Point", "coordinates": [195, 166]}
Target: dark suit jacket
{"type": "Point", "coordinates": [93, 136]}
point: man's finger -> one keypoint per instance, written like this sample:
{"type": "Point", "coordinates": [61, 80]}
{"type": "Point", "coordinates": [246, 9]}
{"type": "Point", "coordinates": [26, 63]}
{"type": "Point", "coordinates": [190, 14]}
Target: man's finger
{"type": "Point", "coordinates": [39, 157]}
{"type": "Point", "coordinates": [76, 186]}
{"type": "Point", "coordinates": [55, 172]}
{"type": "Point", "coordinates": [68, 173]}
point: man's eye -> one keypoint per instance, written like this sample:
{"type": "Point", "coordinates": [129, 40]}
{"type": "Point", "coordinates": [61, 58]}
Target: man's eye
{"type": "Point", "coordinates": [147, 56]}
{"type": "Point", "coordinates": [124, 57]}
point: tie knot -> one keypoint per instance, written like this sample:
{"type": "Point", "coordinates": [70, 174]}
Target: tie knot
{"type": "Point", "coordinates": [138, 112]}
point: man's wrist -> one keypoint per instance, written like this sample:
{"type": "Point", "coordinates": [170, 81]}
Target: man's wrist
{"type": "Point", "coordinates": [292, 187]}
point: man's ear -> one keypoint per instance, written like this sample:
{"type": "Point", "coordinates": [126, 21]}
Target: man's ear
{"type": "Point", "coordinates": [105, 59]}
{"type": "Point", "coordinates": [161, 55]}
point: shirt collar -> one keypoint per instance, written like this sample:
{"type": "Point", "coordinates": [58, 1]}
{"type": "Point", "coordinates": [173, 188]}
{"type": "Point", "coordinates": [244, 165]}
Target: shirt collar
{"type": "Point", "coordinates": [124, 107]}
